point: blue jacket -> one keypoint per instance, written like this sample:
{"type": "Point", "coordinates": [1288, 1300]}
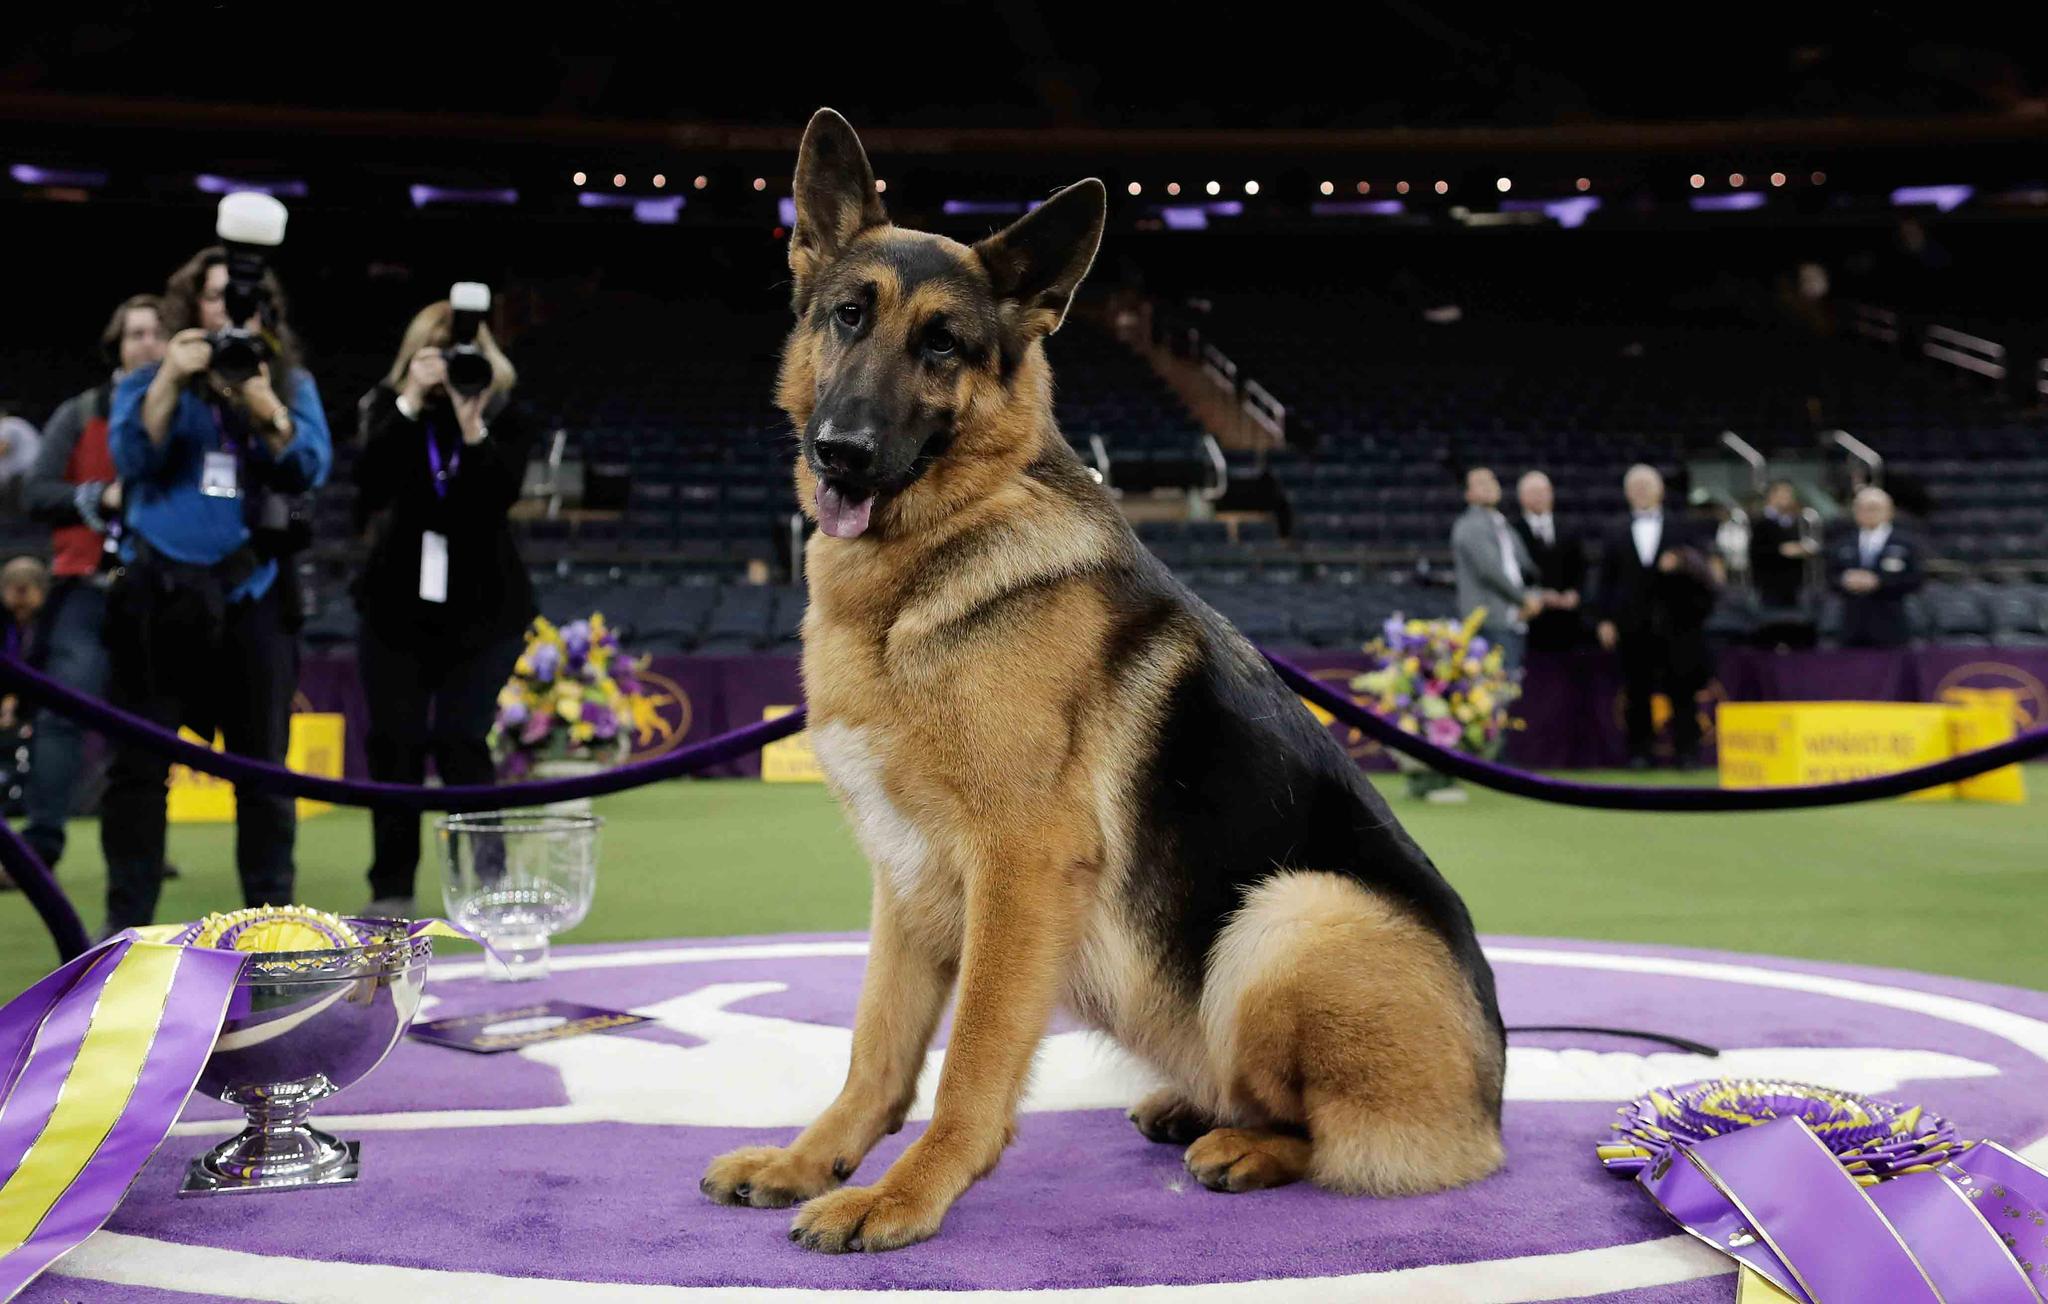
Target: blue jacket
{"type": "Point", "coordinates": [161, 482]}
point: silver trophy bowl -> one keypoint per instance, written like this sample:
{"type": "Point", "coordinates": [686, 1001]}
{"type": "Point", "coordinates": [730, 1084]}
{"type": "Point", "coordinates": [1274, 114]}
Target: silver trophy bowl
{"type": "Point", "coordinates": [301, 1026]}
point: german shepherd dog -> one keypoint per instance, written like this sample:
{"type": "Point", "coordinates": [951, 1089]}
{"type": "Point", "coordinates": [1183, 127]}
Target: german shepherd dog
{"type": "Point", "coordinates": [1075, 782]}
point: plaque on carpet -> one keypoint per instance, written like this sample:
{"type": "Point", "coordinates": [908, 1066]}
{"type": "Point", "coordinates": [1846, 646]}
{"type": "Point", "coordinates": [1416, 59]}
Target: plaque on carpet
{"type": "Point", "coordinates": [526, 1025]}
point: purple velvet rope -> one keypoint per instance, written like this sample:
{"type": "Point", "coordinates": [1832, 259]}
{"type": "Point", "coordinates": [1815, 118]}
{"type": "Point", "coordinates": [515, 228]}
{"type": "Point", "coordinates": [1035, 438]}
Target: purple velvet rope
{"type": "Point", "coordinates": [261, 776]}
{"type": "Point", "coordinates": [1601, 796]}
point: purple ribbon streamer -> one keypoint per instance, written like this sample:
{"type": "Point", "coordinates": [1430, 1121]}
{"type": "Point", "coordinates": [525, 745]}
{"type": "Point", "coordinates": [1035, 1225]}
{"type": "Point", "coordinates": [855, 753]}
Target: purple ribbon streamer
{"type": "Point", "coordinates": [185, 1033]}
{"type": "Point", "coordinates": [1776, 1199]}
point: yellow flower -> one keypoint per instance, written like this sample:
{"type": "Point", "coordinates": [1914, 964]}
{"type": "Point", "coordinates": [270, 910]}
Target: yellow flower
{"type": "Point", "coordinates": [1482, 701]}
{"type": "Point", "coordinates": [1412, 666]}
{"type": "Point", "coordinates": [570, 708]}
{"type": "Point", "coordinates": [1407, 723]}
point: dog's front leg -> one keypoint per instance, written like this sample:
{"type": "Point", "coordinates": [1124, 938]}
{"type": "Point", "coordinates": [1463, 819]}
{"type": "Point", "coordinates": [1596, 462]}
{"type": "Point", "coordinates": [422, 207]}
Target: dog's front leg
{"type": "Point", "coordinates": [902, 994]}
{"type": "Point", "coordinates": [1023, 902]}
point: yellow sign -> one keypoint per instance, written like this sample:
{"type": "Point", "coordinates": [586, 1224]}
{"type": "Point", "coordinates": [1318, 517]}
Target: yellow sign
{"type": "Point", "coordinates": [789, 760]}
{"type": "Point", "coordinates": [1790, 744]}
{"type": "Point", "coordinates": [315, 748]}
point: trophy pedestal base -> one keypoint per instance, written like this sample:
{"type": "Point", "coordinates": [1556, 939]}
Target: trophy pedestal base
{"type": "Point", "coordinates": [337, 1164]}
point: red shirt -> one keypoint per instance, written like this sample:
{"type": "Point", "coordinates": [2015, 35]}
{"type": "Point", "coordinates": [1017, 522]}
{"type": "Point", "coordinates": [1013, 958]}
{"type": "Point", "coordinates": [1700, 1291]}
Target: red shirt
{"type": "Point", "coordinates": [77, 547]}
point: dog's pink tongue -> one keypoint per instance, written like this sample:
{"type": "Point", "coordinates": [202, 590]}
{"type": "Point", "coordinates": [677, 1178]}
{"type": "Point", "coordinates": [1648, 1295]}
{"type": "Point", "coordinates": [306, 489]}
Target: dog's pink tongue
{"type": "Point", "coordinates": [840, 516]}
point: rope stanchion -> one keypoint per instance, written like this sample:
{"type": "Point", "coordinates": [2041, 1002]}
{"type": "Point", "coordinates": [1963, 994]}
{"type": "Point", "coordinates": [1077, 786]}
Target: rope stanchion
{"type": "Point", "coordinates": [1644, 797]}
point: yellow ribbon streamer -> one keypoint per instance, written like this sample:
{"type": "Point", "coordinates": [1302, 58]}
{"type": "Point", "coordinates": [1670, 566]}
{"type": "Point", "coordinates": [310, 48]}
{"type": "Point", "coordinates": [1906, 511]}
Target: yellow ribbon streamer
{"type": "Point", "coordinates": [95, 1091]}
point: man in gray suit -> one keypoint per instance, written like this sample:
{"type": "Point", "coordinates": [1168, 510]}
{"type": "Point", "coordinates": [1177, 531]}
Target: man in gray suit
{"type": "Point", "coordinates": [1495, 570]}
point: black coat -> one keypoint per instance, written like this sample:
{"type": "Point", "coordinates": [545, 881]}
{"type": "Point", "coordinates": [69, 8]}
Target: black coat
{"type": "Point", "coordinates": [1644, 601]}
{"type": "Point", "coordinates": [1780, 580]}
{"type": "Point", "coordinates": [1560, 566]}
{"type": "Point", "coordinates": [489, 594]}
{"type": "Point", "coordinates": [1879, 618]}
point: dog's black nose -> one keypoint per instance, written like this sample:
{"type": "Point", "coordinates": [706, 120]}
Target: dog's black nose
{"type": "Point", "coordinates": [848, 452]}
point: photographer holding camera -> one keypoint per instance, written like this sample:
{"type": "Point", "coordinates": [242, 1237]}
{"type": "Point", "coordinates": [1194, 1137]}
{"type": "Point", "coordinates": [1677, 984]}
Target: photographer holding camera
{"type": "Point", "coordinates": [214, 446]}
{"type": "Point", "coordinates": [445, 599]}
{"type": "Point", "coordinates": [75, 490]}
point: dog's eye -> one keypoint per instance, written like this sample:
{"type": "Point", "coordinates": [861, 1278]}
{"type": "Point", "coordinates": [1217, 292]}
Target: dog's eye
{"type": "Point", "coordinates": [939, 342]}
{"type": "Point", "coordinates": [849, 315]}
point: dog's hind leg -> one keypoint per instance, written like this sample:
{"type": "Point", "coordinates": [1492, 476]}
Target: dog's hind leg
{"type": "Point", "coordinates": [1168, 1117]}
{"type": "Point", "coordinates": [1331, 1010]}
{"type": "Point", "coordinates": [902, 995]}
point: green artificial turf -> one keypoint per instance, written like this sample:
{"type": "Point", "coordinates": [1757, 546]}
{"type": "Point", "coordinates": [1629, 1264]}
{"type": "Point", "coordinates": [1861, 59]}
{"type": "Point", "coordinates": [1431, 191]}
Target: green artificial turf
{"type": "Point", "coordinates": [1955, 888]}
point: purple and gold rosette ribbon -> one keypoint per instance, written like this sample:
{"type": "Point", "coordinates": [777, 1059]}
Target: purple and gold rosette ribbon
{"type": "Point", "coordinates": [1824, 1196]}
{"type": "Point", "coordinates": [97, 1059]}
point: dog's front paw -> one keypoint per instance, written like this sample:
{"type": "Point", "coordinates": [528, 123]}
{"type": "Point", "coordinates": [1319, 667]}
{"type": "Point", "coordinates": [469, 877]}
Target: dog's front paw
{"type": "Point", "coordinates": [767, 1177]}
{"type": "Point", "coordinates": [878, 1217]}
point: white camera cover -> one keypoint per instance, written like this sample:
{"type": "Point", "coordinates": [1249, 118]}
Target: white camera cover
{"type": "Point", "coordinates": [250, 217]}
{"type": "Point", "coordinates": [469, 296]}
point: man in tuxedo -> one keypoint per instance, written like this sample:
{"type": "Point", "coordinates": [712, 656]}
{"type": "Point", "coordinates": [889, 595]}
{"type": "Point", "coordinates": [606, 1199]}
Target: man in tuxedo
{"type": "Point", "coordinates": [1560, 559]}
{"type": "Point", "coordinates": [1875, 569]}
{"type": "Point", "coordinates": [1778, 552]}
{"type": "Point", "coordinates": [1494, 569]}
{"type": "Point", "coordinates": [1658, 576]}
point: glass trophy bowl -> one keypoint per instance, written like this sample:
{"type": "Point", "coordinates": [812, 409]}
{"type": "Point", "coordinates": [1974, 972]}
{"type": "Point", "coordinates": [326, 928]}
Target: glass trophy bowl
{"type": "Point", "coordinates": [516, 878]}
{"type": "Point", "coordinates": [301, 1026]}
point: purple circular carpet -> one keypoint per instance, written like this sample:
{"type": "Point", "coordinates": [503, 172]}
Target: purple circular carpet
{"type": "Point", "coordinates": [568, 1171]}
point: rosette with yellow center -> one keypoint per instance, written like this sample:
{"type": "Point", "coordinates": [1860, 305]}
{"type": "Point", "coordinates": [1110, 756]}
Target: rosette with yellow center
{"type": "Point", "coordinates": [270, 929]}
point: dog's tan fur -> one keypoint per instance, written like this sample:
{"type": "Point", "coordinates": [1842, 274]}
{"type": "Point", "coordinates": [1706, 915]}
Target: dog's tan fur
{"type": "Point", "coordinates": [987, 746]}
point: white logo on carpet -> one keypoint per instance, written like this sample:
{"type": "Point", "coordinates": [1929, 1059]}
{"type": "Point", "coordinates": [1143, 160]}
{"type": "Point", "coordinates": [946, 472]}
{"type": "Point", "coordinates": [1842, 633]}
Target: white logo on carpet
{"type": "Point", "coordinates": [757, 1070]}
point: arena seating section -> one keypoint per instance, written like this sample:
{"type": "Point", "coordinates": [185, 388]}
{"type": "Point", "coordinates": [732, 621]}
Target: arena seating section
{"type": "Point", "coordinates": [687, 462]}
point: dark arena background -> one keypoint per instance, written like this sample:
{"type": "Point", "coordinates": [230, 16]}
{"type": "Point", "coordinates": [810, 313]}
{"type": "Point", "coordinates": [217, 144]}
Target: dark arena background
{"type": "Point", "coordinates": [1787, 257]}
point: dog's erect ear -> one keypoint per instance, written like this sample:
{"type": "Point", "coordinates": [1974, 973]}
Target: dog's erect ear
{"type": "Point", "coordinates": [835, 198]}
{"type": "Point", "coordinates": [1037, 262]}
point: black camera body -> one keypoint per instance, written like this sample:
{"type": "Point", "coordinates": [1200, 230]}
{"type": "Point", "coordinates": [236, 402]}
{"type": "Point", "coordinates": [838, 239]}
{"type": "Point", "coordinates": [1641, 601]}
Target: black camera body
{"type": "Point", "coordinates": [249, 225]}
{"type": "Point", "coordinates": [469, 367]}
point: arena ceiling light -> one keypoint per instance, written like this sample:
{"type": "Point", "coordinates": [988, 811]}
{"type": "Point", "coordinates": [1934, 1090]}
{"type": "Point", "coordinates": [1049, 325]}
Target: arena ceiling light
{"type": "Point", "coordinates": [1356, 208]}
{"type": "Point", "coordinates": [1698, 181]}
{"type": "Point", "coordinates": [214, 184]}
{"type": "Point", "coordinates": [1777, 178]}
{"type": "Point", "coordinates": [1173, 187]}
{"type": "Point", "coordinates": [659, 181]}
{"type": "Point", "coordinates": [1735, 179]}
{"type": "Point", "coordinates": [1443, 187]}
{"type": "Point", "coordinates": [579, 178]}
{"type": "Point", "coordinates": [1214, 187]}
{"type": "Point", "coordinates": [760, 183]}
{"type": "Point", "coordinates": [990, 207]}
{"type": "Point", "coordinates": [1135, 189]}
{"type": "Point", "coordinates": [28, 174]}
{"type": "Point", "coordinates": [425, 195]}
{"type": "Point", "coordinates": [1400, 187]}
{"type": "Point", "coordinates": [701, 182]}
{"type": "Point", "coordinates": [1945, 198]}
{"type": "Point", "coordinates": [1251, 187]}
{"type": "Point", "coordinates": [1503, 184]}
{"type": "Point", "coordinates": [1726, 203]}
{"type": "Point", "coordinates": [1820, 178]}
{"type": "Point", "coordinates": [1327, 188]}
{"type": "Point", "coordinates": [618, 180]}
{"type": "Point", "coordinates": [1365, 187]}
{"type": "Point", "coordinates": [1569, 213]}
{"type": "Point", "coordinates": [1584, 184]}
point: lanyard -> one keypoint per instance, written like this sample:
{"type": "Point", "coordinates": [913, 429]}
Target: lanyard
{"type": "Point", "coordinates": [441, 473]}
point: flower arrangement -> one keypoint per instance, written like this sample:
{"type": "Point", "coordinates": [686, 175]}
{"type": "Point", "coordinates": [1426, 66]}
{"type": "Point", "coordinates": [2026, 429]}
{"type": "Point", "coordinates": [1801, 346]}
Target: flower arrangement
{"type": "Point", "coordinates": [1441, 681]}
{"type": "Point", "coordinates": [573, 695]}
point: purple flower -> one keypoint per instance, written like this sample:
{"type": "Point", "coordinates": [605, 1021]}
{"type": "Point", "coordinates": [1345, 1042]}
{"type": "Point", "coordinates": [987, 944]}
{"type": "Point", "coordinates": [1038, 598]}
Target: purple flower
{"type": "Point", "coordinates": [1403, 702]}
{"type": "Point", "coordinates": [600, 719]}
{"type": "Point", "coordinates": [546, 660]}
{"type": "Point", "coordinates": [537, 726]}
{"type": "Point", "coordinates": [1479, 646]}
{"type": "Point", "coordinates": [1445, 731]}
{"type": "Point", "coordinates": [1392, 631]}
{"type": "Point", "coordinates": [515, 765]}
{"type": "Point", "coordinates": [512, 715]}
